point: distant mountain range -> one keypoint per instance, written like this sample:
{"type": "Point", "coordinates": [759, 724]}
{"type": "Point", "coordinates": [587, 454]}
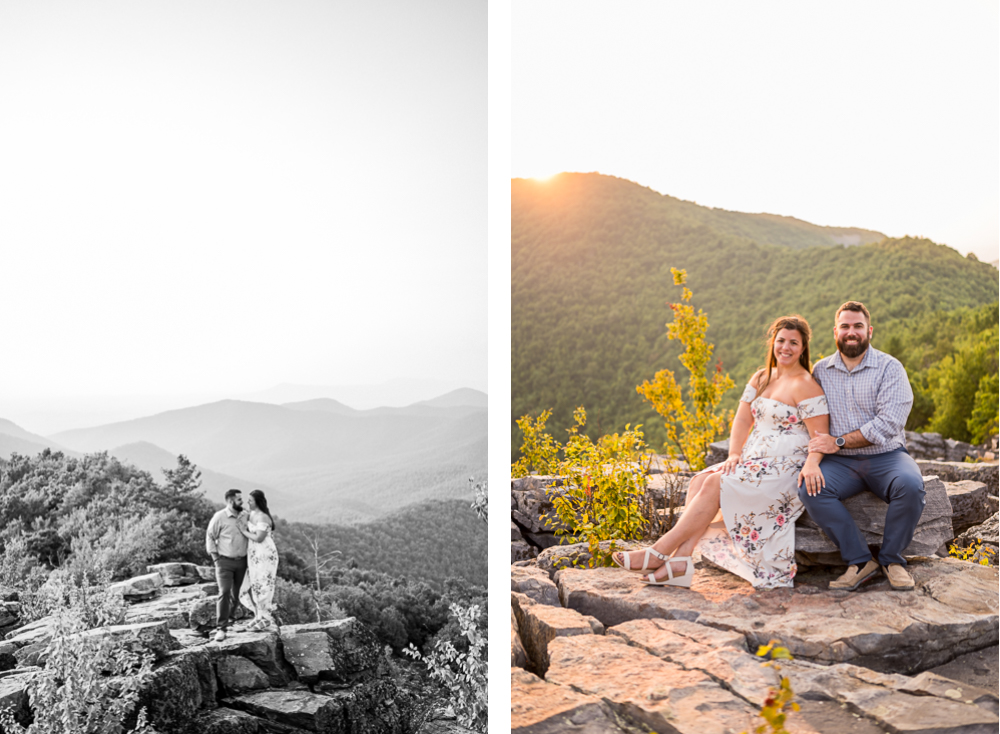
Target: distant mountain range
{"type": "Point", "coordinates": [317, 460]}
{"type": "Point", "coordinates": [591, 288]}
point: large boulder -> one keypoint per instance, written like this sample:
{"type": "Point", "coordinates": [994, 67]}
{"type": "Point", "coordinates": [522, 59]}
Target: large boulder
{"type": "Point", "coordinates": [263, 649]}
{"type": "Point", "coordinates": [953, 610]}
{"type": "Point", "coordinates": [539, 624]}
{"type": "Point", "coordinates": [178, 688]}
{"type": "Point", "coordinates": [342, 650]}
{"type": "Point", "coordinates": [933, 529]}
{"type": "Point", "coordinates": [239, 675]}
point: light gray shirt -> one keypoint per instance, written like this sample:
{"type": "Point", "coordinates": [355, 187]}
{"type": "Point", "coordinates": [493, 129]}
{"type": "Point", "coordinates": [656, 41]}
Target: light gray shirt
{"type": "Point", "coordinates": [223, 536]}
{"type": "Point", "coordinates": [874, 398]}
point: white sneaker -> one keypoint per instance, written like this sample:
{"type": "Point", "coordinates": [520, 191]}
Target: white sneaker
{"type": "Point", "coordinates": [220, 635]}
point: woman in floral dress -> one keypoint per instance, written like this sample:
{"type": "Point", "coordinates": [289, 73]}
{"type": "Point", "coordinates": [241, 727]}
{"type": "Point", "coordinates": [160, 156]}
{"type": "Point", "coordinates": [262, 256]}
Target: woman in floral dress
{"type": "Point", "coordinates": [257, 592]}
{"type": "Point", "coordinates": [757, 486]}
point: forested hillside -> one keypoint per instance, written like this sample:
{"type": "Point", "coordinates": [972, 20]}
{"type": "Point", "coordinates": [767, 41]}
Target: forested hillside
{"type": "Point", "coordinates": [590, 279]}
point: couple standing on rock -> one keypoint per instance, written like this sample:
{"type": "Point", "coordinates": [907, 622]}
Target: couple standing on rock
{"type": "Point", "coordinates": [848, 413]}
{"type": "Point", "coordinates": [245, 558]}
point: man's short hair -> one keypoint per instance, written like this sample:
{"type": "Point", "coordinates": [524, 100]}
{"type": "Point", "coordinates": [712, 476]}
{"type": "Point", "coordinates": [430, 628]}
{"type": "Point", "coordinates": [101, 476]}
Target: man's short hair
{"type": "Point", "coordinates": [230, 493]}
{"type": "Point", "coordinates": [856, 306]}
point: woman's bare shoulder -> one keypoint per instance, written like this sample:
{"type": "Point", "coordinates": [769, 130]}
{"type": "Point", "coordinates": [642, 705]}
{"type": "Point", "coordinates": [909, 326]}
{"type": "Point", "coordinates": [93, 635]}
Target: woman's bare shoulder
{"type": "Point", "coordinates": [758, 378]}
{"type": "Point", "coordinates": [806, 387]}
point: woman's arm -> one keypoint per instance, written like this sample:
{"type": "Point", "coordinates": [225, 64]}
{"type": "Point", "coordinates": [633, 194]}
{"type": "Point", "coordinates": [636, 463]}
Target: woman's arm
{"type": "Point", "coordinates": [811, 474]}
{"type": "Point", "coordinates": [742, 424]}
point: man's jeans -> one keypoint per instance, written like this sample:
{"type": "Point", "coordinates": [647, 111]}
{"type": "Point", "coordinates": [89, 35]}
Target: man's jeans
{"type": "Point", "coordinates": [229, 573]}
{"type": "Point", "coordinates": [893, 477]}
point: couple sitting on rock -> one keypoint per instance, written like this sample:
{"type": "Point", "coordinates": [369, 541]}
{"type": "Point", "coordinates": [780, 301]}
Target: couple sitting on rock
{"type": "Point", "coordinates": [848, 414]}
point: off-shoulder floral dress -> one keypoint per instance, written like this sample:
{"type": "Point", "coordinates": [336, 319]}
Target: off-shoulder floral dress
{"type": "Point", "coordinates": [760, 502]}
{"type": "Point", "coordinates": [257, 592]}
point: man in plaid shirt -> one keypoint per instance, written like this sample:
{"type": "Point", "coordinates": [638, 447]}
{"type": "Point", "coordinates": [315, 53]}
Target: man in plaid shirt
{"type": "Point", "coordinates": [869, 397]}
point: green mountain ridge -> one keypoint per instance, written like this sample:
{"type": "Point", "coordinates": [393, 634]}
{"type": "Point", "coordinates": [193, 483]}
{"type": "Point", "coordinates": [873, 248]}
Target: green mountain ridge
{"type": "Point", "coordinates": [590, 287]}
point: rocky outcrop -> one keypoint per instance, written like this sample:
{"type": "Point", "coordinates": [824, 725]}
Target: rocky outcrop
{"type": "Point", "coordinates": [330, 676]}
{"type": "Point", "coordinates": [680, 660]}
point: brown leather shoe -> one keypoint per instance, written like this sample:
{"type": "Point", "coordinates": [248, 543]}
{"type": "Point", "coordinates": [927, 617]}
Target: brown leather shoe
{"type": "Point", "coordinates": [854, 577]}
{"type": "Point", "coordinates": [898, 577]}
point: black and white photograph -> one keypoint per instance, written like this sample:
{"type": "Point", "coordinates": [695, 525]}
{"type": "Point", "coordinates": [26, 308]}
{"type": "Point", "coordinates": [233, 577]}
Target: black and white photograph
{"type": "Point", "coordinates": [753, 345]}
{"type": "Point", "coordinates": [243, 394]}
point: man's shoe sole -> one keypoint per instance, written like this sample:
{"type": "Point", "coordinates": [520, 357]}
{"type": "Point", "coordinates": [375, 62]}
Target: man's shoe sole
{"type": "Point", "coordinates": [869, 577]}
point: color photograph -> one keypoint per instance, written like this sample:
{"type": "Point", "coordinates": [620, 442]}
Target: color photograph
{"type": "Point", "coordinates": [754, 342]}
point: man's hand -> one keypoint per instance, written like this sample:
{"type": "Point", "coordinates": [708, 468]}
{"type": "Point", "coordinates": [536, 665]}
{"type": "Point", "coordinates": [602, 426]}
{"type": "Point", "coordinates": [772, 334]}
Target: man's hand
{"type": "Point", "coordinates": [823, 443]}
{"type": "Point", "coordinates": [812, 477]}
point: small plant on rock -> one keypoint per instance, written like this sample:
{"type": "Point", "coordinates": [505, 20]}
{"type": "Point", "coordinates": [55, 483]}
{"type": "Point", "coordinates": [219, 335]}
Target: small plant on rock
{"type": "Point", "coordinates": [539, 450]}
{"type": "Point", "coordinates": [91, 680]}
{"type": "Point", "coordinates": [702, 425]}
{"type": "Point", "coordinates": [606, 486]}
{"type": "Point", "coordinates": [463, 673]}
{"type": "Point", "coordinates": [976, 552]}
{"type": "Point", "coordinates": [779, 700]}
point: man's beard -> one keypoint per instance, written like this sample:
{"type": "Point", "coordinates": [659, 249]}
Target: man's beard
{"type": "Point", "coordinates": [853, 349]}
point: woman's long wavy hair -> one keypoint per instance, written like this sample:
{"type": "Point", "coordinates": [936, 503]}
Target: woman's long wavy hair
{"type": "Point", "coordinates": [261, 501]}
{"type": "Point", "coordinates": [800, 325]}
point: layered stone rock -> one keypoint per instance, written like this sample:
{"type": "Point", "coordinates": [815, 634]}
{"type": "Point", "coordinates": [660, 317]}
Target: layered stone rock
{"type": "Point", "coordinates": [263, 649]}
{"type": "Point", "coordinates": [952, 611]}
{"type": "Point", "coordinates": [535, 584]}
{"type": "Point", "coordinates": [958, 471]}
{"type": "Point", "coordinates": [239, 675]}
{"type": "Point", "coordinates": [969, 504]}
{"type": "Point", "coordinates": [343, 651]}
{"type": "Point", "coordinates": [518, 657]}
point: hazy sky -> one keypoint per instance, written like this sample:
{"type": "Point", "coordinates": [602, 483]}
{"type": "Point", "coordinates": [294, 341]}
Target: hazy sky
{"type": "Point", "coordinates": [222, 196]}
{"type": "Point", "coordinates": [878, 115]}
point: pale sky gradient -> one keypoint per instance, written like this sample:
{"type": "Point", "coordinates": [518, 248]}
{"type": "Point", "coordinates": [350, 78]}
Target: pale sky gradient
{"type": "Point", "coordinates": [204, 197]}
{"type": "Point", "coordinates": [879, 115]}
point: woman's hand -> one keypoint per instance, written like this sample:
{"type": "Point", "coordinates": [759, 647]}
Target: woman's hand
{"type": "Point", "coordinates": [730, 464]}
{"type": "Point", "coordinates": [813, 478]}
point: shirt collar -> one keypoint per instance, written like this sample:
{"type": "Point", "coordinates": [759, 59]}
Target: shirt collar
{"type": "Point", "coordinates": [867, 361]}
{"type": "Point", "coordinates": [231, 512]}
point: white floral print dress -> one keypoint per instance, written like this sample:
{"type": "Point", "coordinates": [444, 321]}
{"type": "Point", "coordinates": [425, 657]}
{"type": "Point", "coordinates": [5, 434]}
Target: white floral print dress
{"type": "Point", "coordinates": [257, 592]}
{"type": "Point", "coordinates": [759, 502]}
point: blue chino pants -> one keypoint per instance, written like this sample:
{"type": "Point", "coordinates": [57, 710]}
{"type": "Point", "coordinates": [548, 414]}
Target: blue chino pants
{"type": "Point", "coordinates": [893, 477]}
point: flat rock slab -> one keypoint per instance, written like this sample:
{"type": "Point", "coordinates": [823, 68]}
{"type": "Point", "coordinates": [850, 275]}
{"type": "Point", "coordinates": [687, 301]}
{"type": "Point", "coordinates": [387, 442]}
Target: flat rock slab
{"type": "Point", "coordinates": [138, 586]}
{"type": "Point", "coordinates": [926, 703]}
{"type": "Point", "coordinates": [228, 721]}
{"type": "Point", "coordinates": [933, 529]}
{"type": "Point", "coordinates": [644, 689]}
{"type": "Point", "coordinates": [537, 707]}
{"type": "Point", "coordinates": [302, 709]}
{"type": "Point", "coordinates": [176, 574]}
{"type": "Point", "coordinates": [953, 610]}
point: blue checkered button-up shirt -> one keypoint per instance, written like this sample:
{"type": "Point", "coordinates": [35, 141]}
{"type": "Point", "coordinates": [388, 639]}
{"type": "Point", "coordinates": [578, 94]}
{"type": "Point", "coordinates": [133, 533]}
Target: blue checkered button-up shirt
{"type": "Point", "coordinates": [875, 398]}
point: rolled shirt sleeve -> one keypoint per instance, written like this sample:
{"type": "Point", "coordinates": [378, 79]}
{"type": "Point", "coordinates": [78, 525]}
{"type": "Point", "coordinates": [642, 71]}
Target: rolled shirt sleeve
{"type": "Point", "coordinates": [211, 536]}
{"type": "Point", "coordinates": [892, 407]}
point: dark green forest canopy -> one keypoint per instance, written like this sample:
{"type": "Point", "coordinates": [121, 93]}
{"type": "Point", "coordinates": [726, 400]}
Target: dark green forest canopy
{"type": "Point", "coordinates": [590, 283]}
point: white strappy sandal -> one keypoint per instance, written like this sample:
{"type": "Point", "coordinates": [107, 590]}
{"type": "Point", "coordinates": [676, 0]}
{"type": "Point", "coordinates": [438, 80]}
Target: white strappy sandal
{"type": "Point", "coordinates": [672, 580]}
{"type": "Point", "coordinates": [645, 560]}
